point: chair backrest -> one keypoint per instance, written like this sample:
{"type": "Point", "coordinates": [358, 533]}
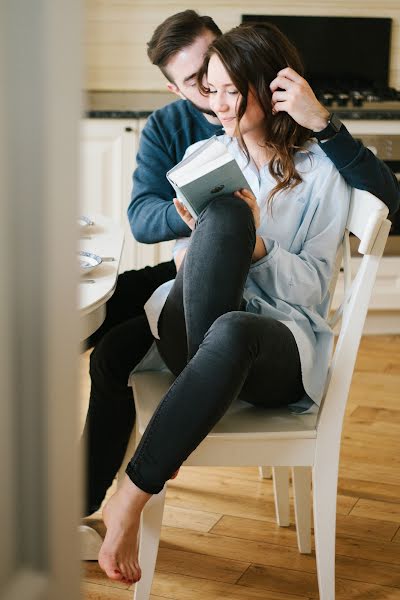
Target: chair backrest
{"type": "Point", "coordinates": [366, 220]}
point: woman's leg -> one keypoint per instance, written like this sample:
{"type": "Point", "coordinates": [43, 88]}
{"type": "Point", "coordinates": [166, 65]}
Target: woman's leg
{"type": "Point", "coordinates": [220, 254]}
{"type": "Point", "coordinates": [242, 353]}
{"type": "Point", "coordinates": [210, 281]}
{"type": "Point", "coordinates": [111, 413]}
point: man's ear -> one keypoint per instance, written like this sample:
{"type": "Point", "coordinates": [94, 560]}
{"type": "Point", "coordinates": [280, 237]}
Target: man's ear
{"type": "Point", "coordinates": [174, 89]}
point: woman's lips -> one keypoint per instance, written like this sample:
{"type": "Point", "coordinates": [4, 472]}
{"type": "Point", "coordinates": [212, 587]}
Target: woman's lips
{"type": "Point", "coordinates": [226, 120]}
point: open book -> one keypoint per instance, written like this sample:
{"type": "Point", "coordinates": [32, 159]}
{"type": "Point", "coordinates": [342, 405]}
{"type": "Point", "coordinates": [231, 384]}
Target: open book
{"type": "Point", "coordinates": [209, 172]}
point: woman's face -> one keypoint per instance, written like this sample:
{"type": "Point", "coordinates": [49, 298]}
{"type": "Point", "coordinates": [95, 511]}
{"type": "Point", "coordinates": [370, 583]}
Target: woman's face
{"type": "Point", "coordinates": [225, 100]}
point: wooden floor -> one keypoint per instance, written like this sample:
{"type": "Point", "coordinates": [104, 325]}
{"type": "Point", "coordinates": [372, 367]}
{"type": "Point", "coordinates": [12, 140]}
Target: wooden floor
{"type": "Point", "coordinates": [220, 540]}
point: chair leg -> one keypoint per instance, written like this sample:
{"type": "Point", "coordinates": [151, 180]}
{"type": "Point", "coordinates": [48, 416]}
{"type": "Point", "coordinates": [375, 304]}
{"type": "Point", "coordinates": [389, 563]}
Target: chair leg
{"type": "Point", "coordinates": [265, 472]}
{"type": "Point", "coordinates": [324, 493]}
{"type": "Point", "coordinates": [301, 478]}
{"type": "Point", "coordinates": [281, 494]}
{"type": "Point", "coordinates": [150, 530]}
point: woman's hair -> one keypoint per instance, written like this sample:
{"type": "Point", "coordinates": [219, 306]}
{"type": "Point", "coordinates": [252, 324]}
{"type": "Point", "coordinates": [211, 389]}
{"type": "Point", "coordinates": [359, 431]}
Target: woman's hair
{"type": "Point", "coordinates": [252, 55]}
{"type": "Point", "coordinates": [177, 32]}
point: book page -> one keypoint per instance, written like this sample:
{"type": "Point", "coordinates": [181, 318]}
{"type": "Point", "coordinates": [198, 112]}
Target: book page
{"type": "Point", "coordinates": [196, 169]}
{"type": "Point", "coordinates": [210, 155]}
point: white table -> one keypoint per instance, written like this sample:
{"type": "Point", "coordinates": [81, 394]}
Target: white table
{"type": "Point", "coordinates": [105, 239]}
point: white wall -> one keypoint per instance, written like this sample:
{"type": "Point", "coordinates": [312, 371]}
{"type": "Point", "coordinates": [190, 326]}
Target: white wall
{"type": "Point", "coordinates": [117, 32]}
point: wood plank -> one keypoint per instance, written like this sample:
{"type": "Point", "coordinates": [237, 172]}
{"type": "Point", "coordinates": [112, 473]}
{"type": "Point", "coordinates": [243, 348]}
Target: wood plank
{"type": "Point", "coordinates": [255, 530]}
{"type": "Point", "coordinates": [181, 587]}
{"type": "Point", "coordinates": [365, 528]}
{"type": "Point", "coordinates": [376, 509]}
{"type": "Point", "coordinates": [385, 552]}
{"type": "Point", "coordinates": [346, 526]}
{"type": "Point", "coordinates": [189, 563]}
{"type": "Point", "coordinates": [368, 571]}
{"type": "Point", "coordinates": [235, 549]}
{"type": "Point", "coordinates": [283, 580]}
{"type": "Point", "coordinates": [305, 583]}
{"type": "Point", "coordinates": [93, 591]}
{"type": "Point", "coordinates": [370, 414]}
{"type": "Point", "coordinates": [396, 538]}
{"type": "Point", "coordinates": [92, 573]}
{"type": "Point", "coordinates": [197, 520]}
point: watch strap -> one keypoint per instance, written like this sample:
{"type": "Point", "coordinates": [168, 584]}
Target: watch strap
{"type": "Point", "coordinates": [334, 125]}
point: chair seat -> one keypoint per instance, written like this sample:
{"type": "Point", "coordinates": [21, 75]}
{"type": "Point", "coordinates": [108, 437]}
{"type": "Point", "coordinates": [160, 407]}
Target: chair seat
{"type": "Point", "coordinates": [242, 420]}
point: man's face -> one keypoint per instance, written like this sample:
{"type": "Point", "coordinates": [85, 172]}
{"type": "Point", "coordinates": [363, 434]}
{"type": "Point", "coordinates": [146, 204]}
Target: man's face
{"type": "Point", "coordinates": [183, 67]}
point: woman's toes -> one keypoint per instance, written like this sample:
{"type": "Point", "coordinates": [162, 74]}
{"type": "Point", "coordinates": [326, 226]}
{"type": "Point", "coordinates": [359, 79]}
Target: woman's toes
{"type": "Point", "coordinates": [110, 567]}
{"type": "Point", "coordinates": [138, 572]}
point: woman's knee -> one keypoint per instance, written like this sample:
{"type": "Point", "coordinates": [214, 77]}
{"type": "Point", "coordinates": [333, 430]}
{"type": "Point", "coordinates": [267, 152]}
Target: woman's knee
{"type": "Point", "coordinates": [228, 210]}
{"type": "Point", "coordinates": [234, 330]}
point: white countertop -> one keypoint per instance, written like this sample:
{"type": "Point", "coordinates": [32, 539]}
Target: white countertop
{"type": "Point", "coordinates": [106, 240]}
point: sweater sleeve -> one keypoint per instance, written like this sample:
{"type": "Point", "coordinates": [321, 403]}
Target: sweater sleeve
{"type": "Point", "coordinates": [303, 278]}
{"type": "Point", "coordinates": [361, 169]}
{"type": "Point", "coordinates": [152, 215]}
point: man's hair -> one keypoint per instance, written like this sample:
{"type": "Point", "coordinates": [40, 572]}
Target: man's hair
{"type": "Point", "coordinates": [177, 32]}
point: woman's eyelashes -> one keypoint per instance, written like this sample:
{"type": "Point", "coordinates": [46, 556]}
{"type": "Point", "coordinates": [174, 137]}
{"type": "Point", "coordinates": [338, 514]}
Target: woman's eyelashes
{"type": "Point", "coordinates": [231, 93]}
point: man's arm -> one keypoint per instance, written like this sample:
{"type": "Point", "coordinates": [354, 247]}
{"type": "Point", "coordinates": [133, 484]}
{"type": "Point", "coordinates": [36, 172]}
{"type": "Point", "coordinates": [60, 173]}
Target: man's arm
{"type": "Point", "coordinates": [151, 212]}
{"type": "Point", "coordinates": [359, 167]}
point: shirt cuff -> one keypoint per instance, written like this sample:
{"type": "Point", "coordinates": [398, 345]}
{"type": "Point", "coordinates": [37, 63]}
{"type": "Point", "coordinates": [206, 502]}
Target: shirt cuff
{"type": "Point", "coordinates": [271, 247]}
{"type": "Point", "coordinates": [342, 148]}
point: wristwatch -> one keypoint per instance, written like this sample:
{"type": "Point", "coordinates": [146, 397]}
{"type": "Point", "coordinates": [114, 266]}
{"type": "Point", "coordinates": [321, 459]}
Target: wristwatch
{"type": "Point", "coordinates": [334, 125]}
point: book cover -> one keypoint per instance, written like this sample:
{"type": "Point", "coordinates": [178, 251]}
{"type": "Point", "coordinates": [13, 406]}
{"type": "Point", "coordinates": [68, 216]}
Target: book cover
{"type": "Point", "coordinates": [209, 172]}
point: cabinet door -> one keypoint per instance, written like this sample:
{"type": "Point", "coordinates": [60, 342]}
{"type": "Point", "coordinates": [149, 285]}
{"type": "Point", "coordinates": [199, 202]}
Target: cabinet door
{"type": "Point", "coordinates": [101, 167]}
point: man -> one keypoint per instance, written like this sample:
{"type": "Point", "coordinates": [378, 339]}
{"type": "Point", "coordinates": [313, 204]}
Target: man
{"type": "Point", "coordinates": [177, 48]}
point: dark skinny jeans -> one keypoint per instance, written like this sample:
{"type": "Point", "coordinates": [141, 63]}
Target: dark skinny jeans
{"type": "Point", "coordinates": [216, 349]}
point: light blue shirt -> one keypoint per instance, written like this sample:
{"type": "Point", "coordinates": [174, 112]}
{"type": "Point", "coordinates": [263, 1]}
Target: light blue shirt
{"type": "Point", "coordinates": [302, 234]}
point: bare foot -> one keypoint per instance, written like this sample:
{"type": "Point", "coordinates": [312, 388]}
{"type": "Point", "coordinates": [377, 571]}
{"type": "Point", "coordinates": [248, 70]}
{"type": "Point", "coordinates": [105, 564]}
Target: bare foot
{"type": "Point", "coordinates": [118, 556]}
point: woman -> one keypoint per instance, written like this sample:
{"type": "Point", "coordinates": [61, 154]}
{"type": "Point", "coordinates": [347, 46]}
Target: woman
{"type": "Point", "coordinates": [246, 312]}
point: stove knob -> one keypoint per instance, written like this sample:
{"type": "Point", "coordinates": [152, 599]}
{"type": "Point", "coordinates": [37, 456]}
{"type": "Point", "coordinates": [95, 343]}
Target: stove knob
{"type": "Point", "coordinates": [357, 99]}
{"type": "Point", "coordinates": [342, 99]}
{"type": "Point", "coordinates": [327, 99]}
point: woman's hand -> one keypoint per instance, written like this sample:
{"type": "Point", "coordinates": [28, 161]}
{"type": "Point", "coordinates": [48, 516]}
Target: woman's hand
{"type": "Point", "coordinates": [251, 201]}
{"type": "Point", "coordinates": [184, 214]}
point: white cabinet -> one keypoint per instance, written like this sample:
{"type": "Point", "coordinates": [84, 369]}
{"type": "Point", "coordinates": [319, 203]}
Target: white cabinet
{"type": "Point", "coordinates": [108, 152]}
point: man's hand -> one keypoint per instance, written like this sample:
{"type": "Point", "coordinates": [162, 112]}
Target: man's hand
{"type": "Point", "coordinates": [184, 214]}
{"type": "Point", "coordinates": [292, 94]}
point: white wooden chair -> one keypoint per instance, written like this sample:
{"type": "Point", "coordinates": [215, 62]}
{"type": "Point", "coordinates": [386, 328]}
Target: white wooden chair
{"type": "Point", "coordinates": [310, 444]}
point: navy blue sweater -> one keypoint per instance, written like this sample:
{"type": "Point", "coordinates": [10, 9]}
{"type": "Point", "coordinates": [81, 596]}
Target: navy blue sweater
{"type": "Point", "coordinates": [170, 130]}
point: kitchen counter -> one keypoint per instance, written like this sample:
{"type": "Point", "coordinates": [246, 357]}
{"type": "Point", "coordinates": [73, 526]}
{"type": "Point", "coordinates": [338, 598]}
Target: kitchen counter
{"type": "Point", "coordinates": [125, 105]}
{"type": "Point", "coordinates": [139, 105]}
